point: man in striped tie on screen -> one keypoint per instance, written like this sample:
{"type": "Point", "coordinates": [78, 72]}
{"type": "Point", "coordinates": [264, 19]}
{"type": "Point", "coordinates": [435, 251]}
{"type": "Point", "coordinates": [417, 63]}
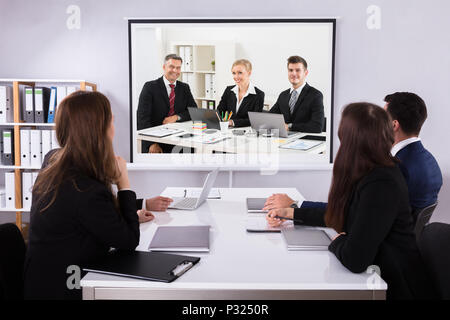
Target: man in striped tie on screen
{"type": "Point", "coordinates": [301, 105]}
{"type": "Point", "coordinates": [164, 100]}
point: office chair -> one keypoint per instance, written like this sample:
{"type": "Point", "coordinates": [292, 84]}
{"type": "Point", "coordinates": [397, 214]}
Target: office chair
{"type": "Point", "coordinates": [12, 257]}
{"type": "Point", "coordinates": [434, 246]}
{"type": "Point", "coordinates": [422, 218]}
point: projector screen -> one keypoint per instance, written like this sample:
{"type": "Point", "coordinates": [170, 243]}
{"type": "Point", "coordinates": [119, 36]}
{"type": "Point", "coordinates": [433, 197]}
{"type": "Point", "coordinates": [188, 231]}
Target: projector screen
{"type": "Point", "coordinates": [208, 48]}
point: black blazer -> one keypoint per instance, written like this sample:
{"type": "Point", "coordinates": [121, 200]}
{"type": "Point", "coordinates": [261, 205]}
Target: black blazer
{"type": "Point", "coordinates": [154, 104]}
{"type": "Point", "coordinates": [308, 115]}
{"type": "Point", "coordinates": [379, 231]}
{"type": "Point", "coordinates": [252, 102]}
{"type": "Point", "coordinates": [81, 225]}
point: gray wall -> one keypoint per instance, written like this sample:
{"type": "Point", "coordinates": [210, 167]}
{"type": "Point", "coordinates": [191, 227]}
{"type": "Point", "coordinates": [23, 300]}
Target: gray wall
{"type": "Point", "coordinates": [409, 53]}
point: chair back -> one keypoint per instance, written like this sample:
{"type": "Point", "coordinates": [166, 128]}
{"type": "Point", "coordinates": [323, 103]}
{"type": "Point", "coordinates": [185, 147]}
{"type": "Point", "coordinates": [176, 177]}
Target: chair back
{"type": "Point", "coordinates": [423, 217]}
{"type": "Point", "coordinates": [12, 257]}
{"type": "Point", "coordinates": [434, 246]}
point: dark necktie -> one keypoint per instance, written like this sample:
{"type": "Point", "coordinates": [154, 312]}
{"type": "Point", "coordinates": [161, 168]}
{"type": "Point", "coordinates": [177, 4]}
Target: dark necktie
{"type": "Point", "coordinates": [172, 100]}
{"type": "Point", "coordinates": [293, 100]}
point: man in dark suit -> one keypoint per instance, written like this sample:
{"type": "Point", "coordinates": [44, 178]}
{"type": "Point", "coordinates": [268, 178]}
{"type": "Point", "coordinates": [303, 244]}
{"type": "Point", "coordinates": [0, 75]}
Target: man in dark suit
{"type": "Point", "coordinates": [420, 169]}
{"type": "Point", "coordinates": [164, 100]}
{"type": "Point", "coordinates": [301, 105]}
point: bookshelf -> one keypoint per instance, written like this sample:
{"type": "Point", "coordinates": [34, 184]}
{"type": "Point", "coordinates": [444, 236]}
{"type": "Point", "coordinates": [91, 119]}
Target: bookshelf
{"type": "Point", "coordinates": [17, 85]}
{"type": "Point", "coordinates": [199, 69]}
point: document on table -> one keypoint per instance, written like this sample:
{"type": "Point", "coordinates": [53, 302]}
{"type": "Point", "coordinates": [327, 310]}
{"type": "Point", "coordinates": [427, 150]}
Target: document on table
{"type": "Point", "coordinates": [259, 224]}
{"type": "Point", "coordinates": [301, 145]}
{"type": "Point", "coordinates": [203, 138]}
{"type": "Point", "coordinates": [159, 133]}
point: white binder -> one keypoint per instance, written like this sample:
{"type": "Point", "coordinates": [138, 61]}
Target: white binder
{"type": "Point", "coordinates": [207, 85]}
{"type": "Point", "coordinates": [213, 86]}
{"type": "Point", "coordinates": [36, 148]}
{"type": "Point", "coordinates": [25, 154]}
{"type": "Point", "coordinates": [55, 144]}
{"type": "Point", "coordinates": [6, 105]}
{"type": "Point", "coordinates": [61, 93]}
{"type": "Point", "coordinates": [27, 184]}
{"type": "Point", "coordinates": [46, 142]}
{"type": "Point", "coordinates": [34, 175]}
{"type": "Point", "coordinates": [52, 106]}
{"type": "Point", "coordinates": [182, 56]}
{"type": "Point", "coordinates": [10, 190]}
{"type": "Point", "coordinates": [38, 105]}
{"type": "Point", "coordinates": [7, 154]}
{"type": "Point", "coordinates": [188, 58]}
{"type": "Point", "coordinates": [70, 90]}
{"type": "Point", "coordinates": [28, 115]}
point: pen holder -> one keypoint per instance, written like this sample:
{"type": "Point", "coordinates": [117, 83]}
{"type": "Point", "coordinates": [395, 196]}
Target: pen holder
{"type": "Point", "coordinates": [224, 126]}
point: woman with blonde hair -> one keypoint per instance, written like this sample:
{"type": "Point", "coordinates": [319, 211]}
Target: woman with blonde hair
{"type": "Point", "coordinates": [75, 215]}
{"type": "Point", "coordinates": [241, 98]}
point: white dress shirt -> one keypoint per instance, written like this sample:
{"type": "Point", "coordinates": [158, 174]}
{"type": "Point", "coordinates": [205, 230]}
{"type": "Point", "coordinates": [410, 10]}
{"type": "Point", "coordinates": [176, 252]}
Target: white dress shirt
{"type": "Point", "coordinates": [400, 145]}
{"type": "Point", "coordinates": [250, 90]}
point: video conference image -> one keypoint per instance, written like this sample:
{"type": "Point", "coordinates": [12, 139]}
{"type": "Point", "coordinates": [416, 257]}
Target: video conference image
{"type": "Point", "coordinates": [259, 88]}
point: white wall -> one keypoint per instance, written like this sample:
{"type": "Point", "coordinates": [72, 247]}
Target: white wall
{"type": "Point", "coordinates": [408, 53]}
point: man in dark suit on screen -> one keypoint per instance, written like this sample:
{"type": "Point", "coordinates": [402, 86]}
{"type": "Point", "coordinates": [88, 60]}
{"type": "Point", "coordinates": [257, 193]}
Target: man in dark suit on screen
{"type": "Point", "coordinates": [164, 100]}
{"type": "Point", "coordinates": [301, 105]}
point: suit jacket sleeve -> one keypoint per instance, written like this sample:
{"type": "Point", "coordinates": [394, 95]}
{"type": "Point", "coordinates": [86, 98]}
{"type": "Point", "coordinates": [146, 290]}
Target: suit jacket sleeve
{"type": "Point", "coordinates": [222, 107]}
{"type": "Point", "coordinates": [310, 216]}
{"type": "Point", "coordinates": [184, 116]}
{"type": "Point", "coordinates": [100, 217]}
{"type": "Point", "coordinates": [144, 110]}
{"type": "Point", "coordinates": [315, 123]}
{"type": "Point", "coordinates": [275, 108]}
{"type": "Point", "coordinates": [376, 212]}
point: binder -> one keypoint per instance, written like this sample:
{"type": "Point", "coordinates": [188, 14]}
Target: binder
{"type": "Point", "coordinates": [41, 97]}
{"type": "Point", "coordinates": [207, 85]}
{"type": "Point", "coordinates": [34, 175]}
{"type": "Point", "coordinates": [8, 147]}
{"type": "Point", "coordinates": [305, 238]}
{"type": "Point", "coordinates": [61, 93]}
{"type": "Point", "coordinates": [10, 190]}
{"type": "Point", "coordinates": [27, 184]}
{"type": "Point", "coordinates": [6, 105]}
{"type": "Point", "coordinates": [70, 90]}
{"type": "Point", "coordinates": [52, 106]}
{"type": "Point", "coordinates": [55, 144]}
{"type": "Point", "coordinates": [46, 142]}
{"type": "Point", "coordinates": [152, 266]}
{"type": "Point", "coordinates": [36, 149]}
{"type": "Point", "coordinates": [181, 238]}
{"type": "Point", "coordinates": [188, 58]}
{"type": "Point", "coordinates": [28, 109]}
{"type": "Point", "coordinates": [2, 198]}
{"type": "Point", "coordinates": [182, 56]}
{"type": "Point", "coordinates": [25, 154]}
{"type": "Point", "coordinates": [204, 104]}
{"type": "Point", "coordinates": [213, 86]}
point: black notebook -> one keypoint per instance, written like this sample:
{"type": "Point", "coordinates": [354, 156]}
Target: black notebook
{"type": "Point", "coordinates": [153, 266]}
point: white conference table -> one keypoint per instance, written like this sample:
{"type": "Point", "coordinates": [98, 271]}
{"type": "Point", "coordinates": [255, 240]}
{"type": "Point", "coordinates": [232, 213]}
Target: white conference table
{"type": "Point", "coordinates": [233, 143]}
{"type": "Point", "coordinates": [240, 265]}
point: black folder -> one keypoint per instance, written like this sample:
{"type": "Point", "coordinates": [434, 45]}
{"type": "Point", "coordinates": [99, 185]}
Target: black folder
{"type": "Point", "coordinates": [153, 266]}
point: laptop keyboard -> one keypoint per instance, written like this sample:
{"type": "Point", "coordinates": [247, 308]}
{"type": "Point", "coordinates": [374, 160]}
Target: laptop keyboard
{"type": "Point", "coordinates": [186, 203]}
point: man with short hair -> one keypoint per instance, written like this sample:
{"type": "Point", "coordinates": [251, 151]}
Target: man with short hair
{"type": "Point", "coordinates": [420, 169]}
{"type": "Point", "coordinates": [301, 105]}
{"type": "Point", "coordinates": [164, 100]}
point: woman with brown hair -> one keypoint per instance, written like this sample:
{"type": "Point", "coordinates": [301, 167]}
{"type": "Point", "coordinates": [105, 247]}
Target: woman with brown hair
{"type": "Point", "coordinates": [368, 206]}
{"type": "Point", "coordinates": [75, 216]}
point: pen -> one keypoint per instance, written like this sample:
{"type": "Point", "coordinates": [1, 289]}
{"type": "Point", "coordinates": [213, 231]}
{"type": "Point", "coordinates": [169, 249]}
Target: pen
{"type": "Point", "coordinates": [231, 113]}
{"type": "Point", "coordinates": [226, 116]}
{"type": "Point", "coordinates": [185, 191]}
{"type": "Point", "coordinates": [218, 116]}
{"type": "Point", "coordinates": [222, 115]}
{"type": "Point", "coordinates": [290, 219]}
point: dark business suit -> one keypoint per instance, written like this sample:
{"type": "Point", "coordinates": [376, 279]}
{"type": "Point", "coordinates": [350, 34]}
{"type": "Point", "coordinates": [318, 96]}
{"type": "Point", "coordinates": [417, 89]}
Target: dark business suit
{"type": "Point", "coordinates": [422, 174]}
{"type": "Point", "coordinates": [252, 102]}
{"type": "Point", "coordinates": [379, 231]}
{"type": "Point", "coordinates": [308, 114]}
{"type": "Point", "coordinates": [154, 105]}
{"type": "Point", "coordinates": [80, 226]}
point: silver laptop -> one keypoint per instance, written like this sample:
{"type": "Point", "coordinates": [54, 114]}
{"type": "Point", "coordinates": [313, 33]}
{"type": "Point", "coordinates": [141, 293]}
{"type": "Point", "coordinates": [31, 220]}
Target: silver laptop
{"type": "Point", "coordinates": [193, 203]}
{"type": "Point", "coordinates": [271, 124]}
{"type": "Point", "coordinates": [205, 115]}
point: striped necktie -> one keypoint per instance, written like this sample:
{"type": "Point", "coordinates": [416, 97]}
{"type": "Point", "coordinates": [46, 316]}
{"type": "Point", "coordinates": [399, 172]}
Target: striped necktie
{"type": "Point", "coordinates": [293, 100]}
{"type": "Point", "coordinates": [172, 100]}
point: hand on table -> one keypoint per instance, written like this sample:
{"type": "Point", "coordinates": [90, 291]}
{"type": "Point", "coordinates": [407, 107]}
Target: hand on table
{"type": "Point", "coordinates": [145, 216]}
{"type": "Point", "coordinates": [277, 201]}
{"type": "Point", "coordinates": [158, 203]}
{"type": "Point", "coordinates": [170, 119]}
{"type": "Point", "coordinates": [283, 212]}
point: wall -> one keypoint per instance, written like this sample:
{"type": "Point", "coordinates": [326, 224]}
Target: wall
{"type": "Point", "coordinates": [408, 53]}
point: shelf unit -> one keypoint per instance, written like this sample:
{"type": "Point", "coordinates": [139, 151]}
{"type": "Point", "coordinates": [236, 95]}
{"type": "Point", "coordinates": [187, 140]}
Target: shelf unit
{"type": "Point", "coordinates": [203, 53]}
{"type": "Point", "coordinates": [16, 83]}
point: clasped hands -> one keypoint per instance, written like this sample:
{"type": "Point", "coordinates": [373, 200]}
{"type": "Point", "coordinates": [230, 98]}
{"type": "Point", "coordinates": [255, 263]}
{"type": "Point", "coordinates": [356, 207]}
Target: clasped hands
{"type": "Point", "coordinates": [153, 204]}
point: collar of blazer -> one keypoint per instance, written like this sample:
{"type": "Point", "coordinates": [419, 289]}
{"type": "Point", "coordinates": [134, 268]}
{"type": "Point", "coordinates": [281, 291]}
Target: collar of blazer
{"type": "Point", "coordinates": [164, 91]}
{"type": "Point", "coordinates": [300, 98]}
{"type": "Point", "coordinates": [234, 94]}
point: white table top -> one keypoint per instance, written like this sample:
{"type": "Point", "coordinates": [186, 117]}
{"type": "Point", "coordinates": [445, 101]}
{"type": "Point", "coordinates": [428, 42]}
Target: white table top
{"type": "Point", "coordinates": [242, 260]}
{"type": "Point", "coordinates": [233, 143]}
